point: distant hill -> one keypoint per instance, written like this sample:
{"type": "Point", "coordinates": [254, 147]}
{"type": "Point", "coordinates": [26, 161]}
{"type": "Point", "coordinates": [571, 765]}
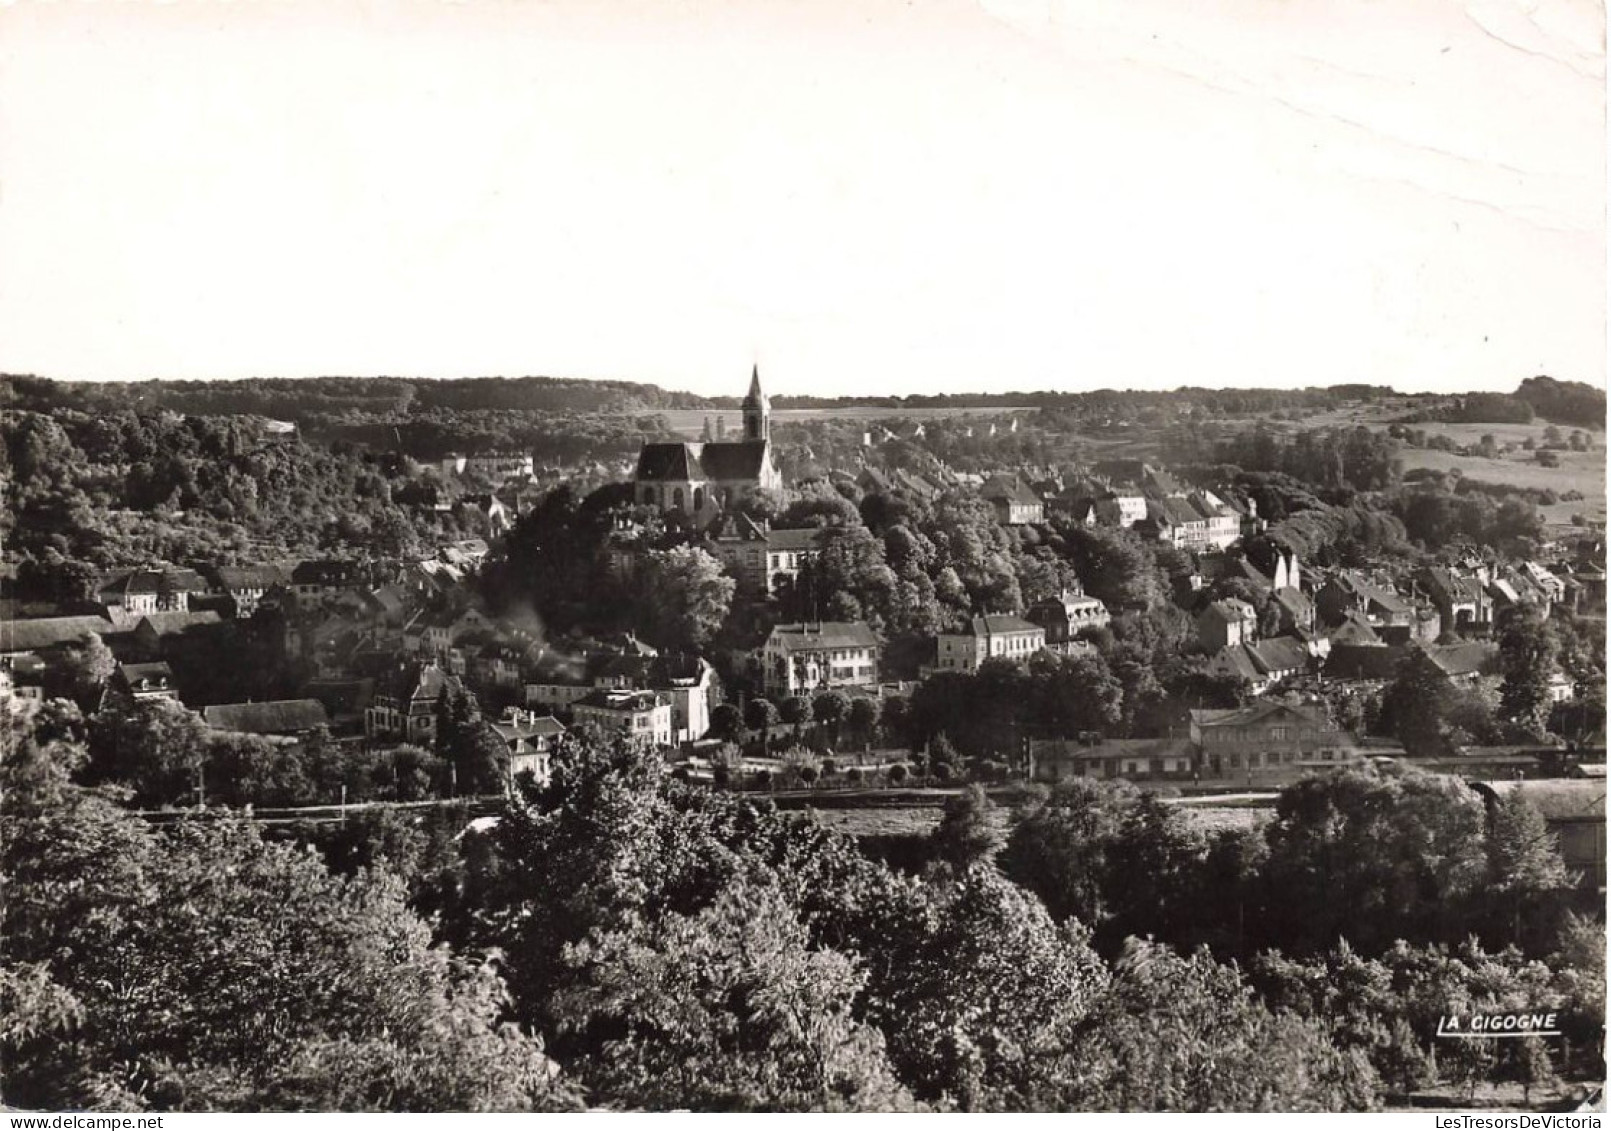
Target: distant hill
{"type": "Point", "coordinates": [298, 398]}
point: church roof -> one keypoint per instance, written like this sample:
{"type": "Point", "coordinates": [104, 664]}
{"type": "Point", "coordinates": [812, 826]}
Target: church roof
{"type": "Point", "coordinates": [720, 460]}
{"type": "Point", "coordinates": [667, 461]}
{"type": "Point", "coordinates": [754, 396]}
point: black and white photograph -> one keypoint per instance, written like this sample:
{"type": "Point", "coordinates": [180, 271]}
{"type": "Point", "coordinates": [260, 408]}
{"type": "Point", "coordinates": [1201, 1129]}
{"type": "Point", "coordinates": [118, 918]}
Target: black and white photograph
{"type": "Point", "coordinates": [802, 556]}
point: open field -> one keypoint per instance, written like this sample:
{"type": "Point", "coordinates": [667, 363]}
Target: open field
{"type": "Point", "coordinates": [691, 421]}
{"type": "Point", "coordinates": [916, 822]}
{"type": "Point", "coordinates": [1580, 471]}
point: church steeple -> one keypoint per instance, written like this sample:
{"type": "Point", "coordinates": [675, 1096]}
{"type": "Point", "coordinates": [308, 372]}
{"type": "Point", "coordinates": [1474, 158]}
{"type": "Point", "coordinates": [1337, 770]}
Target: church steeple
{"type": "Point", "coordinates": [757, 410]}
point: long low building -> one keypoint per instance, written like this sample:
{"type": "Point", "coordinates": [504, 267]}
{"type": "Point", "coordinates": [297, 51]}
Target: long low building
{"type": "Point", "coordinates": [278, 718]}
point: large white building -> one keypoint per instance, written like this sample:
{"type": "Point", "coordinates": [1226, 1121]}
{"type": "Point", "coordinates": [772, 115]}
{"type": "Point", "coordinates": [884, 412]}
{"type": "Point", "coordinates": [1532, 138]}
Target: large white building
{"type": "Point", "coordinates": [804, 658]}
{"type": "Point", "coordinates": [993, 636]}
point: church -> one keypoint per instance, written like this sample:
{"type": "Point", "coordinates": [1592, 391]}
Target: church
{"type": "Point", "coordinates": [702, 479]}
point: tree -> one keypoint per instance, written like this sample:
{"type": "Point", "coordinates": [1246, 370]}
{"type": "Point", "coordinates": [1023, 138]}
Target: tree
{"type": "Point", "coordinates": [158, 748]}
{"type": "Point", "coordinates": [687, 597]}
{"type": "Point", "coordinates": [830, 708]}
{"type": "Point", "coordinates": [87, 668]}
{"type": "Point", "coordinates": [1524, 865]}
{"type": "Point", "coordinates": [725, 722]}
{"type": "Point", "coordinates": [967, 833]}
{"type": "Point", "coordinates": [864, 715]}
{"type": "Point", "coordinates": [1372, 860]}
{"type": "Point", "coordinates": [1172, 1033]}
{"type": "Point", "coordinates": [215, 971]}
{"type": "Point", "coordinates": [1527, 652]}
{"type": "Point", "coordinates": [1414, 705]}
{"type": "Point", "coordinates": [726, 1009]}
{"type": "Point", "coordinates": [796, 711]}
{"type": "Point", "coordinates": [761, 715]}
{"type": "Point", "coordinates": [1059, 842]}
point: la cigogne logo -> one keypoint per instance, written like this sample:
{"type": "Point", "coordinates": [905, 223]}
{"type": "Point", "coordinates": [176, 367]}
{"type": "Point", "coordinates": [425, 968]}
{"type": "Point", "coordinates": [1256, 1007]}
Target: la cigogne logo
{"type": "Point", "coordinates": [1497, 1024]}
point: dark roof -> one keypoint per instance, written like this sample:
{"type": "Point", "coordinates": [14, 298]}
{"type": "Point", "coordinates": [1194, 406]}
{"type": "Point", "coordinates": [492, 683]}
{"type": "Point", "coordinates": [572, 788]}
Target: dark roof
{"type": "Point", "coordinates": [1174, 511]}
{"type": "Point", "coordinates": [342, 696]}
{"type": "Point", "coordinates": [283, 716]}
{"type": "Point", "coordinates": [729, 460]}
{"type": "Point", "coordinates": [1295, 601]}
{"type": "Point", "coordinates": [816, 636]}
{"type": "Point", "coordinates": [1059, 750]}
{"type": "Point", "coordinates": [992, 624]}
{"type": "Point", "coordinates": [1279, 654]}
{"type": "Point", "coordinates": [1234, 660]}
{"type": "Point", "coordinates": [133, 675]}
{"type": "Point", "coordinates": [1231, 610]}
{"type": "Point", "coordinates": [1363, 661]}
{"type": "Point", "coordinates": [249, 577]}
{"type": "Point", "coordinates": [49, 632]}
{"type": "Point", "coordinates": [170, 624]}
{"type": "Point", "coordinates": [1008, 488]}
{"type": "Point", "coordinates": [132, 581]}
{"type": "Point", "coordinates": [716, 459]}
{"type": "Point", "coordinates": [325, 573]}
{"type": "Point", "coordinates": [1355, 629]}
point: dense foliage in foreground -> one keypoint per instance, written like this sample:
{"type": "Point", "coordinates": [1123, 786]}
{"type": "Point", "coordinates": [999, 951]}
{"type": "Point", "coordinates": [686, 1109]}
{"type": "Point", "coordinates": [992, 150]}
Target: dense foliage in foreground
{"type": "Point", "coordinates": [618, 940]}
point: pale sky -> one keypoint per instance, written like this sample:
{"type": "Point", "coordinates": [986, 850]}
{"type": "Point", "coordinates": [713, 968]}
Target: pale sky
{"type": "Point", "coordinates": [865, 195]}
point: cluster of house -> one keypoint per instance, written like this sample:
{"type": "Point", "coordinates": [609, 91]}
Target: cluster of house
{"type": "Point", "coordinates": [1134, 495]}
{"type": "Point", "coordinates": [379, 644]}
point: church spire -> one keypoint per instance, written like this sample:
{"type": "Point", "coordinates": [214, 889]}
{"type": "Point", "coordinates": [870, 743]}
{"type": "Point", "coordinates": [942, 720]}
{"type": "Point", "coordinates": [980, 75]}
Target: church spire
{"type": "Point", "coordinates": [757, 410]}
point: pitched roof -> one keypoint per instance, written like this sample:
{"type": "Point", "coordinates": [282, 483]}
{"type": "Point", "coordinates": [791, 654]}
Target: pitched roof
{"type": "Point", "coordinates": [1008, 488]}
{"type": "Point", "coordinates": [672, 462]}
{"type": "Point", "coordinates": [283, 716]}
{"type": "Point", "coordinates": [1295, 601]}
{"type": "Point", "coordinates": [171, 624]}
{"type": "Point", "coordinates": [545, 726]}
{"type": "Point", "coordinates": [1558, 801]}
{"type": "Point", "coordinates": [1063, 750]}
{"type": "Point", "coordinates": [1354, 629]}
{"type": "Point", "coordinates": [1230, 610]}
{"type": "Point", "coordinates": [131, 581]}
{"type": "Point", "coordinates": [1260, 712]}
{"type": "Point", "coordinates": [995, 624]}
{"type": "Point", "coordinates": [49, 632]}
{"type": "Point", "coordinates": [1234, 660]}
{"type": "Point", "coordinates": [1173, 510]}
{"type": "Point", "coordinates": [1470, 658]}
{"type": "Point", "coordinates": [714, 459]}
{"type": "Point", "coordinates": [249, 576]}
{"type": "Point", "coordinates": [1279, 654]}
{"type": "Point", "coordinates": [816, 636]}
{"type": "Point", "coordinates": [135, 675]}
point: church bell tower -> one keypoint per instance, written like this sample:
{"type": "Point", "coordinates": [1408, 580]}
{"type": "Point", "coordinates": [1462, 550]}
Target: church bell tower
{"type": "Point", "coordinates": [757, 410]}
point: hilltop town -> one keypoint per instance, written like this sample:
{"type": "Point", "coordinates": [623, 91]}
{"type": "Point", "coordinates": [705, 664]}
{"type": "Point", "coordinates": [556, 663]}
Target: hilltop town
{"type": "Point", "coordinates": [308, 601]}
